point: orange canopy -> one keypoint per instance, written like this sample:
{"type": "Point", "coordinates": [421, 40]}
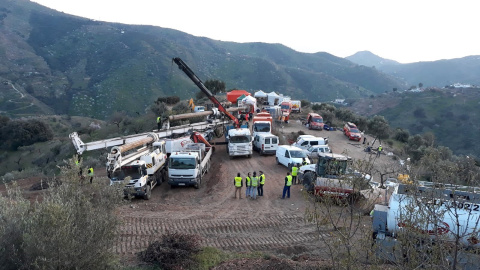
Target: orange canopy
{"type": "Point", "coordinates": [234, 94]}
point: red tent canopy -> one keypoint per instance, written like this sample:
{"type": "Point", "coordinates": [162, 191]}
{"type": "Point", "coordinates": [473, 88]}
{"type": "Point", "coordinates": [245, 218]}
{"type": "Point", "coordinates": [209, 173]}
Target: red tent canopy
{"type": "Point", "coordinates": [234, 94]}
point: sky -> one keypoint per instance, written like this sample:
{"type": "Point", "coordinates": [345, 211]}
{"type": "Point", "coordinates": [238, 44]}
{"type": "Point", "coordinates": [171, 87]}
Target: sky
{"type": "Point", "coordinates": [402, 30]}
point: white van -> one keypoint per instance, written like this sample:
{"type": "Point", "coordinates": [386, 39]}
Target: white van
{"type": "Point", "coordinates": [305, 142]}
{"type": "Point", "coordinates": [265, 143]}
{"type": "Point", "coordinates": [288, 155]}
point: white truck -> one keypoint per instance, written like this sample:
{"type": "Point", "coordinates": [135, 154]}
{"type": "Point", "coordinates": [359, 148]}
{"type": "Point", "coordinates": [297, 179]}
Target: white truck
{"type": "Point", "coordinates": [187, 167]}
{"type": "Point", "coordinates": [443, 213]}
{"type": "Point", "coordinates": [296, 106]}
{"type": "Point", "coordinates": [140, 165]}
{"type": "Point", "coordinates": [239, 141]}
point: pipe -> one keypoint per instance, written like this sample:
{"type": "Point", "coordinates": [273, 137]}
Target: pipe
{"type": "Point", "coordinates": [197, 114]}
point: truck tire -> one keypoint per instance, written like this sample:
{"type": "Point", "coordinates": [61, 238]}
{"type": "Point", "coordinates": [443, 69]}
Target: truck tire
{"type": "Point", "coordinates": [148, 193]}
{"type": "Point", "coordinates": [199, 182]}
{"type": "Point", "coordinates": [278, 162]}
{"type": "Point", "coordinates": [309, 181]}
{"type": "Point", "coordinates": [290, 167]}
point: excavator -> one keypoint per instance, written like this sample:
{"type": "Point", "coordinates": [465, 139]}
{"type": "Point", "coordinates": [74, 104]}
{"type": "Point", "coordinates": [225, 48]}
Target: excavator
{"type": "Point", "coordinates": [238, 136]}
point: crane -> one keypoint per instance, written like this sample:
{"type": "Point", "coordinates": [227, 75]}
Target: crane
{"type": "Point", "coordinates": [181, 65]}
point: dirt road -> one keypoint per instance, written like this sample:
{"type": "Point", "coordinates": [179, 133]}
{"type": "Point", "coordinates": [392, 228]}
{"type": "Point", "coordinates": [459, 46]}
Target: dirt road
{"type": "Point", "coordinates": [267, 224]}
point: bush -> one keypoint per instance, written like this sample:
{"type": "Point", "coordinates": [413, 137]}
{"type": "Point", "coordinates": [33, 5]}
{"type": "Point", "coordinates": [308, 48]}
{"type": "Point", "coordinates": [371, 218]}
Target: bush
{"type": "Point", "coordinates": [73, 227]}
{"type": "Point", "coordinates": [173, 251]}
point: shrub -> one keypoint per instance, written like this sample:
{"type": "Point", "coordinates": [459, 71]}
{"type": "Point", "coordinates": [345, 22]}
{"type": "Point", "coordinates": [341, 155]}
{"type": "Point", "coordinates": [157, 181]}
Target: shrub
{"type": "Point", "coordinates": [173, 251]}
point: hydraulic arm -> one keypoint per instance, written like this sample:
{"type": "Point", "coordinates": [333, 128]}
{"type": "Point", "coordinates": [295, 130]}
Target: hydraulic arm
{"type": "Point", "coordinates": [181, 65]}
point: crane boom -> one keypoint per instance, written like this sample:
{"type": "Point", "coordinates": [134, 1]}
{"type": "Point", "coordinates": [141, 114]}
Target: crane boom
{"type": "Point", "coordinates": [181, 65]}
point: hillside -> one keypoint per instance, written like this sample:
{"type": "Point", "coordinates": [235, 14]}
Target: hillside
{"type": "Point", "coordinates": [431, 74]}
{"type": "Point", "coordinates": [62, 64]}
{"type": "Point", "coordinates": [451, 115]}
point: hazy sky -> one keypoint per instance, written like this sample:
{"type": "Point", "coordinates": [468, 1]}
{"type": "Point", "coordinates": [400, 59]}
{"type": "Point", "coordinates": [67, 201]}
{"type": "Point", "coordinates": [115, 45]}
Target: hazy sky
{"type": "Point", "coordinates": [402, 30]}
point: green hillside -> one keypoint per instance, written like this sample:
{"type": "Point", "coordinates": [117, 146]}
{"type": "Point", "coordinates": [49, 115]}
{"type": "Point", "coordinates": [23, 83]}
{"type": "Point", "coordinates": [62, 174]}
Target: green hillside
{"type": "Point", "coordinates": [70, 65]}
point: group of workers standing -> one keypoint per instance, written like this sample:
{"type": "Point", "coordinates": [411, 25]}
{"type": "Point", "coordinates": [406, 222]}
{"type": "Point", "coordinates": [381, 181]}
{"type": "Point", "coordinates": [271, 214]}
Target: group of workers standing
{"type": "Point", "coordinates": [254, 185]}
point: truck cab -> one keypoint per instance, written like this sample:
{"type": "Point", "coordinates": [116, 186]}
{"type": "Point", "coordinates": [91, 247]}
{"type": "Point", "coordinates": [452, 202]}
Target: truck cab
{"type": "Point", "coordinates": [351, 131]}
{"type": "Point", "coordinates": [315, 121]}
{"type": "Point", "coordinates": [239, 142]}
{"type": "Point", "coordinates": [286, 107]}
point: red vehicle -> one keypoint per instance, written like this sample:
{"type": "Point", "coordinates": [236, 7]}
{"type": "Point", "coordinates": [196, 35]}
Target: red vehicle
{"type": "Point", "coordinates": [351, 131]}
{"type": "Point", "coordinates": [286, 108]}
{"type": "Point", "coordinates": [315, 121]}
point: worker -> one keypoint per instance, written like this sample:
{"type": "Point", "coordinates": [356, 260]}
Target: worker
{"type": "Point", "coordinates": [294, 173]}
{"type": "Point", "coordinates": [159, 123]}
{"type": "Point", "coordinates": [238, 186]}
{"type": "Point", "coordinates": [248, 185]}
{"type": "Point", "coordinates": [90, 173]}
{"type": "Point", "coordinates": [254, 186]}
{"type": "Point", "coordinates": [288, 184]}
{"type": "Point", "coordinates": [262, 182]}
{"type": "Point", "coordinates": [379, 150]}
{"type": "Point", "coordinates": [304, 161]}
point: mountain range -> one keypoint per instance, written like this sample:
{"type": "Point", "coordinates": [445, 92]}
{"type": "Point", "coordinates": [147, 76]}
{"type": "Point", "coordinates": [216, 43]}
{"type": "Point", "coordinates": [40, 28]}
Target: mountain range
{"type": "Point", "coordinates": [55, 63]}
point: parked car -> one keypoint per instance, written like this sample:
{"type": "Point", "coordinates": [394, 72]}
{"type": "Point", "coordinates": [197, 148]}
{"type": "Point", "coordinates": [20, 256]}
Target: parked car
{"type": "Point", "coordinates": [288, 155]}
{"type": "Point", "coordinates": [305, 142]}
{"type": "Point", "coordinates": [351, 131]}
{"type": "Point", "coordinates": [265, 143]}
{"type": "Point", "coordinates": [312, 151]}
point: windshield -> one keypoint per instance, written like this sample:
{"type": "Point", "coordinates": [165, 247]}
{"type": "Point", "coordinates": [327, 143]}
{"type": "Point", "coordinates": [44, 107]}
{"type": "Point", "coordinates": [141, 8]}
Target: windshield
{"type": "Point", "coordinates": [182, 163]}
{"type": "Point", "coordinates": [354, 130]}
{"type": "Point", "coordinates": [134, 172]}
{"type": "Point", "coordinates": [297, 154]}
{"type": "Point", "coordinates": [318, 120]}
{"type": "Point", "coordinates": [240, 139]}
{"type": "Point", "coordinates": [261, 127]}
{"type": "Point", "coordinates": [285, 107]}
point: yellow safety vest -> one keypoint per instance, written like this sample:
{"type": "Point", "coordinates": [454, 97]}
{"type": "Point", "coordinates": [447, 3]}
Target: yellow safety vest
{"type": "Point", "coordinates": [248, 181]}
{"type": "Point", "coordinates": [304, 162]}
{"type": "Point", "coordinates": [380, 149]}
{"type": "Point", "coordinates": [262, 179]}
{"type": "Point", "coordinates": [254, 181]}
{"type": "Point", "coordinates": [294, 170]}
{"type": "Point", "coordinates": [289, 180]}
{"type": "Point", "coordinates": [90, 172]}
{"type": "Point", "coordinates": [158, 119]}
{"type": "Point", "coordinates": [238, 181]}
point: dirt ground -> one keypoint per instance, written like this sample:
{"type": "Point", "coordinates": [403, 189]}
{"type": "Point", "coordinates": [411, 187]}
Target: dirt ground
{"type": "Point", "coordinates": [269, 224]}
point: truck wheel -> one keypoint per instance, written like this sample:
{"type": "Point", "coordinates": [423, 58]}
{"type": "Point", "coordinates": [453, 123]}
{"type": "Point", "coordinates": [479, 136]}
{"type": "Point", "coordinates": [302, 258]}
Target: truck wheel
{"type": "Point", "coordinates": [309, 181]}
{"type": "Point", "coordinates": [148, 193]}
{"type": "Point", "coordinates": [290, 167]}
{"type": "Point", "coordinates": [278, 162]}
{"type": "Point", "coordinates": [197, 185]}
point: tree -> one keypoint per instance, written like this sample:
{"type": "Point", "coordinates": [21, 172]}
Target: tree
{"type": "Point", "coordinates": [215, 86]}
{"type": "Point", "coordinates": [419, 113]}
{"type": "Point", "coordinates": [379, 127]}
{"type": "Point", "coordinates": [420, 85]}
{"type": "Point", "coordinates": [401, 135]}
{"type": "Point", "coordinates": [117, 118]}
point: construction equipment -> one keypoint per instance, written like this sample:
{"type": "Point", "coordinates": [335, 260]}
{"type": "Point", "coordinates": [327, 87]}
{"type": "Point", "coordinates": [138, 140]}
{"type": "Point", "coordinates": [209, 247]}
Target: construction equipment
{"type": "Point", "coordinates": [331, 176]}
{"type": "Point", "coordinates": [238, 136]}
{"type": "Point", "coordinates": [187, 167]}
{"type": "Point", "coordinates": [430, 213]}
{"type": "Point", "coordinates": [139, 164]}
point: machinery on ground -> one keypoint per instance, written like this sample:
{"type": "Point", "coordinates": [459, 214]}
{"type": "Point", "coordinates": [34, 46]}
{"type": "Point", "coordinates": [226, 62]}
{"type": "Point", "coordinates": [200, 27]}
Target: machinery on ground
{"type": "Point", "coordinates": [331, 176]}
{"type": "Point", "coordinates": [140, 165]}
{"type": "Point", "coordinates": [432, 214]}
{"type": "Point", "coordinates": [239, 138]}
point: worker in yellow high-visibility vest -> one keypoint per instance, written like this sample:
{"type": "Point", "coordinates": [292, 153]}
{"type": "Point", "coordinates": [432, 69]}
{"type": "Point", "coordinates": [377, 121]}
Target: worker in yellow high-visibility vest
{"type": "Point", "coordinates": [90, 173]}
{"type": "Point", "coordinates": [294, 173]}
{"type": "Point", "coordinates": [254, 185]}
{"type": "Point", "coordinates": [248, 185]}
{"type": "Point", "coordinates": [238, 186]}
{"type": "Point", "coordinates": [262, 182]}
{"type": "Point", "coordinates": [288, 184]}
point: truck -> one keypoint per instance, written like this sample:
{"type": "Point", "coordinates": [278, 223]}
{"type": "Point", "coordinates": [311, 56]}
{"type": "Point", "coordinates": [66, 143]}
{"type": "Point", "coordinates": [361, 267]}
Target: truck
{"type": "Point", "coordinates": [263, 140]}
{"type": "Point", "coordinates": [296, 106]}
{"type": "Point", "coordinates": [314, 121]}
{"type": "Point", "coordinates": [442, 212]}
{"type": "Point", "coordinates": [139, 165]}
{"type": "Point", "coordinates": [262, 123]}
{"type": "Point", "coordinates": [331, 176]}
{"type": "Point", "coordinates": [187, 167]}
{"type": "Point", "coordinates": [238, 137]}
{"type": "Point", "coordinates": [286, 107]}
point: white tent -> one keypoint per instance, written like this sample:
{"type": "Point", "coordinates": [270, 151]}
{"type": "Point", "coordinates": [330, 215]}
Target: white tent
{"type": "Point", "coordinates": [250, 101]}
{"type": "Point", "coordinates": [273, 98]}
{"type": "Point", "coordinates": [260, 94]}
